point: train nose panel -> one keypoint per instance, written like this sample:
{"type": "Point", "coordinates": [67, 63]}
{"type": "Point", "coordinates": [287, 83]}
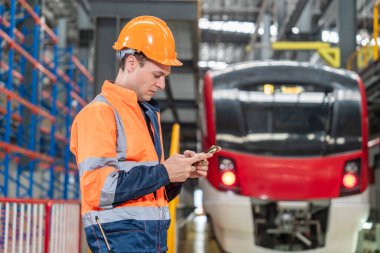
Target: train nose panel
{"type": "Point", "coordinates": [291, 178]}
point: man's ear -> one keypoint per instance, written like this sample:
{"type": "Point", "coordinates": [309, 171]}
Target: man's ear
{"type": "Point", "coordinates": [130, 63]}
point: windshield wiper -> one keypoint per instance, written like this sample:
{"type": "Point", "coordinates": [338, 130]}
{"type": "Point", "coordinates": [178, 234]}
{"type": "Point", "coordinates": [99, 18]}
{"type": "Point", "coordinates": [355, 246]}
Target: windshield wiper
{"type": "Point", "coordinates": [327, 130]}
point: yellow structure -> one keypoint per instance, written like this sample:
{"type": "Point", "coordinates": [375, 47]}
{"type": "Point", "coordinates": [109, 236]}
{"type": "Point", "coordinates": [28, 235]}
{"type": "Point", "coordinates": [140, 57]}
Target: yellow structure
{"type": "Point", "coordinates": [330, 54]}
{"type": "Point", "coordinates": [376, 30]}
{"type": "Point", "coordinates": [174, 149]}
{"type": "Point", "coordinates": [364, 55]}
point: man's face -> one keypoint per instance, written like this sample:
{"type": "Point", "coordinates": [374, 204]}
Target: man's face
{"type": "Point", "coordinates": [149, 79]}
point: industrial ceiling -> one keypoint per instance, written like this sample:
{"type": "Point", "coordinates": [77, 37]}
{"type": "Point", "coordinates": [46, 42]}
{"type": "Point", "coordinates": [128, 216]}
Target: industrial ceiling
{"type": "Point", "coordinates": [209, 34]}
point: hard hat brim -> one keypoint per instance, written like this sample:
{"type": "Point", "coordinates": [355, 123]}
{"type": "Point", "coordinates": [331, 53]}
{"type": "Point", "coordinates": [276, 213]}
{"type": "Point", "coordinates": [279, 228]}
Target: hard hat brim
{"type": "Point", "coordinates": [174, 62]}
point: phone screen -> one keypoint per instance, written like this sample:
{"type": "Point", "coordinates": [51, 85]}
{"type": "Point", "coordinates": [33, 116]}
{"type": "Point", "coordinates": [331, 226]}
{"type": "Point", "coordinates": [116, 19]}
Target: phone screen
{"type": "Point", "coordinates": [213, 149]}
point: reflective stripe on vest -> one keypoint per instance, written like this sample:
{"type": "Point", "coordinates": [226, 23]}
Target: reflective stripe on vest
{"type": "Point", "coordinates": [94, 163]}
{"type": "Point", "coordinates": [127, 213]}
{"type": "Point", "coordinates": [121, 142]}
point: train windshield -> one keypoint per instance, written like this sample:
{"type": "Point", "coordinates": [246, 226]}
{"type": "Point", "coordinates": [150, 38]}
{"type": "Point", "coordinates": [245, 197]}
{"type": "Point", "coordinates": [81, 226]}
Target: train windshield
{"type": "Point", "coordinates": [288, 119]}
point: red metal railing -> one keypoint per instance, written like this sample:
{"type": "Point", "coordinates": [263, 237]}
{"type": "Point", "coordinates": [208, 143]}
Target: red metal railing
{"type": "Point", "coordinates": [43, 226]}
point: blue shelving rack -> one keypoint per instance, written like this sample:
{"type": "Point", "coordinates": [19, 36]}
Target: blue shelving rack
{"type": "Point", "coordinates": [36, 110]}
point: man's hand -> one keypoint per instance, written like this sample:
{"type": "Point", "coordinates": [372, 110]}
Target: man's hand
{"type": "Point", "coordinates": [180, 167]}
{"type": "Point", "coordinates": [201, 167]}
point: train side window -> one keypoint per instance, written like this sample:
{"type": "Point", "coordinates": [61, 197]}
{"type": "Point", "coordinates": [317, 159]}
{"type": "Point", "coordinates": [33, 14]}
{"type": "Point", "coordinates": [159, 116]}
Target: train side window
{"type": "Point", "coordinates": [229, 118]}
{"type": "Point", "coordinates": [377, 162]}
{"type": "Point", "coordinates": [348, 126]}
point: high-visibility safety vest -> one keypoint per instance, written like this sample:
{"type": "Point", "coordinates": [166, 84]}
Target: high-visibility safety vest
{"type": "Point", "coordinates": [121, 179]}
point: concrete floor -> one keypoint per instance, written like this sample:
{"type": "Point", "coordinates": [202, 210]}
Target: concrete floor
{"type": "Point", "coordinates": [194, 236]}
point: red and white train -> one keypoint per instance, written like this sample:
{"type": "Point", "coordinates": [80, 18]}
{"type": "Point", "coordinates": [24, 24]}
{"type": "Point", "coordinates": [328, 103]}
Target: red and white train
{"type": "Point", "coordinates": [292, 173]}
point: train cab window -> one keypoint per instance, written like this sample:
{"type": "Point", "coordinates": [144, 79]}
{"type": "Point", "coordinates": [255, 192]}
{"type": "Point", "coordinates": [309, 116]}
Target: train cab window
{"type": "Point", "coordinates": [300, 121]}
{"type": "Point", "coordinates": [346, 131]}
{"type": "Point", "coordinates": [293, 121]}
{"type": "Point", "coordinates": [259, 120]}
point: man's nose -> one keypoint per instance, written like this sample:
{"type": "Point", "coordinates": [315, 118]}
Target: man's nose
{"type": "Point", "coordinates": [161, 83]}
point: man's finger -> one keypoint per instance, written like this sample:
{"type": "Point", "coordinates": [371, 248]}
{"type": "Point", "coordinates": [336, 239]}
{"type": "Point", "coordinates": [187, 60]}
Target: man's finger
{"type": "Point", "coordinates": [189, 153]}
{"type": "Point", "coordinates": [179, 156]}
{"type": "Point", "coordinates": [202, 173]}
{"type": "Point", "coordinates": [203, 163]}
{"type": "Point", "coordinates": [199, 157]}
{"type": "Point", "coordinates": [202, 168]}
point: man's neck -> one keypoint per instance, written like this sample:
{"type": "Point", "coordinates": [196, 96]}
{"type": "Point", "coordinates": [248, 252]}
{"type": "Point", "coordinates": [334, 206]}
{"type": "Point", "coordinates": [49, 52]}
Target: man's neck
{"type": "Point", "coordinates": [122, 80]}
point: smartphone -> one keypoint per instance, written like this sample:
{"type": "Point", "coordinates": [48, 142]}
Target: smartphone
{"type": "Point", "coordinates": [213, 149]}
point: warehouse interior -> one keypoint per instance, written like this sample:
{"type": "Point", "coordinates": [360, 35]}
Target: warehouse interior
{"type": "Point", "coordinates": [55, 55]}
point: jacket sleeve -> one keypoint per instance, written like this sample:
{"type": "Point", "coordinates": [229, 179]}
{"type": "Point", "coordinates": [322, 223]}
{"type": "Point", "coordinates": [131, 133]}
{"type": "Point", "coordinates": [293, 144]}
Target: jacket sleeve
{"type": "Point", "coordinates": [93, 142]}
{"type": "Point", "coordinates": [173, 190]}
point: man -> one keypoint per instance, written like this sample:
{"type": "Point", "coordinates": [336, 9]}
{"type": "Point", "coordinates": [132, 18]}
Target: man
{"type": "Point", "coordinates": [125, 182]}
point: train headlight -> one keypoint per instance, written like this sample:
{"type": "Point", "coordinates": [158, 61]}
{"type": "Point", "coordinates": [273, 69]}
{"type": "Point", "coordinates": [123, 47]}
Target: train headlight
{"type": "Point", "coordinates": [226, 164]}
{"type": "Point", "coordinates": [228, 178]}
{"type": "Point", "coordinates": [350, 183]}
{"type": "Point", "coordinates": [351, 167]}
{"type": "Point", "coordinates": [350, 180]}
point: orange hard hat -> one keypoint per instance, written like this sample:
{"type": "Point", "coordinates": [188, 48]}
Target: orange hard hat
{"type": "Point", "coordinates": [151, 36]}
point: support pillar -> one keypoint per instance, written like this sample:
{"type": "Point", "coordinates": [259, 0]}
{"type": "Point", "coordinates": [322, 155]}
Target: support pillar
{"type": "Point", "coordinates": [347, 23]}
{"type": "Point", "coordinates": [106, 33]}
{"type": "Point", "coordinates": [266, 43]}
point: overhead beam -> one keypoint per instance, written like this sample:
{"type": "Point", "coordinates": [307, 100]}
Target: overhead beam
{"type": "Point", "coordinates": [291, 19]}
{"type": "Point", "coordinates": [210, 36]}
{"type": "Point", "coordinates": [229, 11]}
{"type": "Point", "coordinates": [85, 6]}
{"type": "Point", "coordinates": [251, 44]}
{"type": "Point", "coordinates": [329, 15]}
{"type": "Point", "coordinates": [167, 10]}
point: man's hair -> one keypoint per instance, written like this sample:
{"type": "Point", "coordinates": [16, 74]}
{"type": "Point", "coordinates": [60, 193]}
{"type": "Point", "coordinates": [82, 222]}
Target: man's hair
{"type": "Point", "coordinates": [141, 58]}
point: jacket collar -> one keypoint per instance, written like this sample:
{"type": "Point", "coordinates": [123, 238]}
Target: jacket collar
{"type": "Point", "coordinates": [119, 92]}
{"type": "Point", "coordinates": [127, 95]}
